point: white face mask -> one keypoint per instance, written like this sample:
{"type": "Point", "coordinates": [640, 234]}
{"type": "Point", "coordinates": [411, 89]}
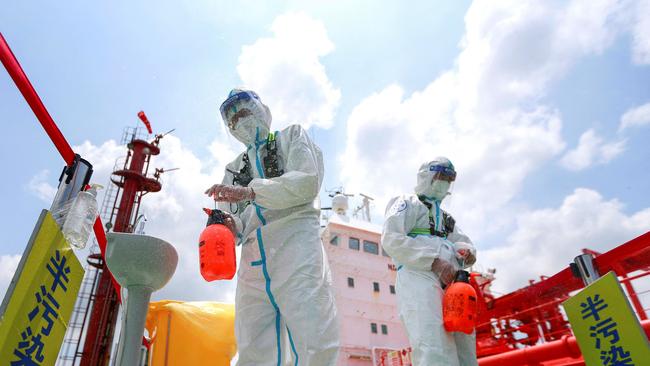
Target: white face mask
{"type": "Point", "coordinates": [427, 184]}
{"type": "Point", "coordinates": [440, 189]}
{"type": "Point", "coordinates": [246, 129]}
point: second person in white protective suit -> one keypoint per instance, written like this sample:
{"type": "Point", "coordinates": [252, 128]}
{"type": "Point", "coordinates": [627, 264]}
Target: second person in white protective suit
{"type": "Point", "coordinates": [428, 248]}
{"type": "Point", "coordinates": [284, 306]}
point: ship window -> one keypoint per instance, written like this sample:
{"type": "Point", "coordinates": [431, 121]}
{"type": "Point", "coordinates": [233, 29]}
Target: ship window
{"type": "Point", "coordinates": [383, 252]}
{"type": "Point", "coordinates": [334, 240]}
{"type": "Point", "coordinates": [373, 328]}
{"type": "Point", "coordinates": [353, 243]}
{"type": "Point", "coordinates": [375, 286]}
{"type": "Point", "coordinates": [384, 329]}
{"type": "Point", "coordinates": [370, 247]}
{"type": "Point", "coordinates": [350, 282]}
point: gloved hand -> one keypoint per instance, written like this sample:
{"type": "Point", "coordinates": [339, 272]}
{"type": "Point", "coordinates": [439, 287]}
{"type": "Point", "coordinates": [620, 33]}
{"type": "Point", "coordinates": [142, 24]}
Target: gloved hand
{"type": "Point", "coordinates": [466, 253]}
{"type": "Point", "coordinates": [230, 193]}
{"type": "Point", "coordinates": [445, 271]}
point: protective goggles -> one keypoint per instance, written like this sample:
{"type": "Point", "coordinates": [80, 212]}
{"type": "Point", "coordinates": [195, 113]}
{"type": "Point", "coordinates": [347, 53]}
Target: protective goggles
{"type": "Point", "coordinates": [229, 106]}
{"type": "Point", "coordinates": [443, 173]}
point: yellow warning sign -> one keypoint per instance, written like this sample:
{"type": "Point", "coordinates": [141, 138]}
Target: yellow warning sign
{"type": "Point", "coordinates": [35, 312]}
{"type": "Point", "coordinates": [606, 328]}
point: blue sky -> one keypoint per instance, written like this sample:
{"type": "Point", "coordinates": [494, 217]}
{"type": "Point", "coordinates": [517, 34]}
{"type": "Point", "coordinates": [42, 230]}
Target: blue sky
{"type": "Point", "coordinates": [504, 90]}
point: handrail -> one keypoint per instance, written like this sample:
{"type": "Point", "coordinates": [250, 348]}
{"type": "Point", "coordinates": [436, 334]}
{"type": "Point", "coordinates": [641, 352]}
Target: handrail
{"type": "Point", "coordinates": [22, 82]}
{"type": "Point", "coordinates": [19, 77]}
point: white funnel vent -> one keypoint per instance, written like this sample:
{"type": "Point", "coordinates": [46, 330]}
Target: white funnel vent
{"type": "Point", "coordinates": [141, 264]}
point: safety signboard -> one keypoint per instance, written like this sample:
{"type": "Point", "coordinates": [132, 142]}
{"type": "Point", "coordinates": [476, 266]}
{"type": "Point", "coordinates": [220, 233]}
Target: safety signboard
{"type": "Point", "coordinates": [606, 328]}
{"type": "Point", "coordinates": [35, 312]}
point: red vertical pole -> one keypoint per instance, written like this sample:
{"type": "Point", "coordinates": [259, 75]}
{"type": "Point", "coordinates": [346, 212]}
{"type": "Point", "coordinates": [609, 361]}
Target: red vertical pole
{"type": "Point", "coordinates": [103, 318]}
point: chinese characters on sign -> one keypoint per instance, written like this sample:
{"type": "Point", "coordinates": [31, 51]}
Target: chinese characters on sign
{"type": "Point", "coordinates": [36, 311]}
{"type": "Point", "coordinates": [29, 351]}
{"type": "Point", "coordinates": [604, 333]}
{"type": "Point", "coordinates": [605, 327]}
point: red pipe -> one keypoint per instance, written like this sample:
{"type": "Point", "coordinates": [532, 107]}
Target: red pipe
{"type": "Point", "coordinates": [29, 93]}
{"type": "Point", "coordinates": [100, 235]}
{"type": "Point", "coordinates": [22, 82]}
{"type": "Point", "coordinates": [19, 77]}
{"type": "Point", "coordinates": [563, 348]}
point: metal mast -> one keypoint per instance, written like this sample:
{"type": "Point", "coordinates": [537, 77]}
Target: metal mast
{"type": "Point", "coordinates": [92, 327]}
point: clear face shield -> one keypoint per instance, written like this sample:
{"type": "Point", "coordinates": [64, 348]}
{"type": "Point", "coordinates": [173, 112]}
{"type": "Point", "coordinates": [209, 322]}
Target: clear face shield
{"type": "Point", "coordinates": [441, 182]}
{"type": "Point", "coordinates": [237, 107]}
{"type": "Point", "coordinates": [246, 117]}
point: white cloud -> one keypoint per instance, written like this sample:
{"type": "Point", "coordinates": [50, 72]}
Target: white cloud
{"type": "Point", "coordinates": [287, 72]}
{"type": "Point", "coordinates": [591, 149]}
{"type": "Point", "coordinates": [39, 186]}
{"type": "Point", "coordinates": [389, 137]}
{"type": "Point", "coordinates": [513, 49]}
{"type": "Point", "coordinates": [637, 116]}
{"type": "Point", "coordinates": [641, 34]}
{"type": "Point", "coordinates": [8, 265]}
{"type": "Point", "coordinates": [546, 240]}
{"type": "Point", "coordinates": [484, 113]}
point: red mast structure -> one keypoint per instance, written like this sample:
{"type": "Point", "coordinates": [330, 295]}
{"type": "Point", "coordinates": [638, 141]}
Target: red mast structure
{"type": "Point", "coordinates": [133, 183]}
{"type": "Point", "coordinates": [92, 327]}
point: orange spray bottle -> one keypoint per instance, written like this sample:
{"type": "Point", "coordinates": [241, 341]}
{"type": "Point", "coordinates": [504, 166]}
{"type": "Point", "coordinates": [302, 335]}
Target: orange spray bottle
{"type": "Point", "coordinates": [459, 307]}
{"type": "Point", "coordinates": [217, 248]}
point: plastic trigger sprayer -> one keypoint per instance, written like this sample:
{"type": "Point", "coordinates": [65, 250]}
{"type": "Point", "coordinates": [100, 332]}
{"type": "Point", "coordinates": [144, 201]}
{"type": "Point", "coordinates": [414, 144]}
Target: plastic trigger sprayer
{"type": "Point", "coordinates": [459, 307]}
{"type": "Point", "coordinates": [217, 248]}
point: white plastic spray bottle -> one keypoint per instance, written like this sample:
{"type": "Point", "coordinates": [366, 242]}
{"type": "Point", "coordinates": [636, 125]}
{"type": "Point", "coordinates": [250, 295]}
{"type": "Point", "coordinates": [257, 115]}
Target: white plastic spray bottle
{"type": "Point", "coordinates": [81, 217]}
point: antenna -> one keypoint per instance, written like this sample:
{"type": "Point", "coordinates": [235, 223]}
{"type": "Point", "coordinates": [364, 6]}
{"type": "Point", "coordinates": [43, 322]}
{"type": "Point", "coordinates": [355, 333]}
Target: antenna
{"type": "Point", "coordinates": [364, 208]}
{"type": "Point", "coordinates": [338, 190]}
{"type": "Point", "coordinates": [159, 171]}
{"type": "Point", "coordinates": [160, 136]}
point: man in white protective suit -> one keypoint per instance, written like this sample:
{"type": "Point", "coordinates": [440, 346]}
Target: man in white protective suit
{"type": "Point", "coordinates": [284, 307]}
{"type": "Point", "coordinates": [428, 249]}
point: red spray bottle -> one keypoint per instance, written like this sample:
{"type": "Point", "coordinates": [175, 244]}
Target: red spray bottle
{"type": "Point", "coordinates": [217, 248]}
{"type": "Point", "coordinates": [459, 307]}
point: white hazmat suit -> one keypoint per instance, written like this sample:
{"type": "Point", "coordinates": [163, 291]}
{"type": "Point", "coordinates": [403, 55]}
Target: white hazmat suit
{"type": "Point", "coordinates": [425, 264]}
{"type": "Point", "coordinates": [285, 312]}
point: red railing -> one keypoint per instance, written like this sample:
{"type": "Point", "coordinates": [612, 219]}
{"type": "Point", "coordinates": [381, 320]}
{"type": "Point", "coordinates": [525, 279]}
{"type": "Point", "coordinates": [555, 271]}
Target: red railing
{"type": "Point", "coordinates": [529, 324]}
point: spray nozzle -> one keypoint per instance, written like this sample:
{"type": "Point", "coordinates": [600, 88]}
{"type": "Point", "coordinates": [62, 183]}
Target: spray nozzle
{"type": "Point", "coordinates": [215, 216]}
{"type": "Point", "coordinates": [93, 188]}
{"type": "Point", "coordinates": [462, 276]}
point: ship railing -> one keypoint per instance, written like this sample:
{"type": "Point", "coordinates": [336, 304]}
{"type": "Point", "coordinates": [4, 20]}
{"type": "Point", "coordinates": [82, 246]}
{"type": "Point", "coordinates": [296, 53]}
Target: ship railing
{"type": "Point", "coordinates": [530, 326]}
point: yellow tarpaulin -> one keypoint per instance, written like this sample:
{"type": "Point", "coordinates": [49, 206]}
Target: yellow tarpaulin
{"type": "Point", "coordinates": [191, 333]}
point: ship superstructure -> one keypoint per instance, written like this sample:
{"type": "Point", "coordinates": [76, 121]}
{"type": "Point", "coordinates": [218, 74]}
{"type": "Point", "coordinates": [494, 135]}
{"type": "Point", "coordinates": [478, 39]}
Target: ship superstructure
{"type": "Point", "coordinates": [363, 278]}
